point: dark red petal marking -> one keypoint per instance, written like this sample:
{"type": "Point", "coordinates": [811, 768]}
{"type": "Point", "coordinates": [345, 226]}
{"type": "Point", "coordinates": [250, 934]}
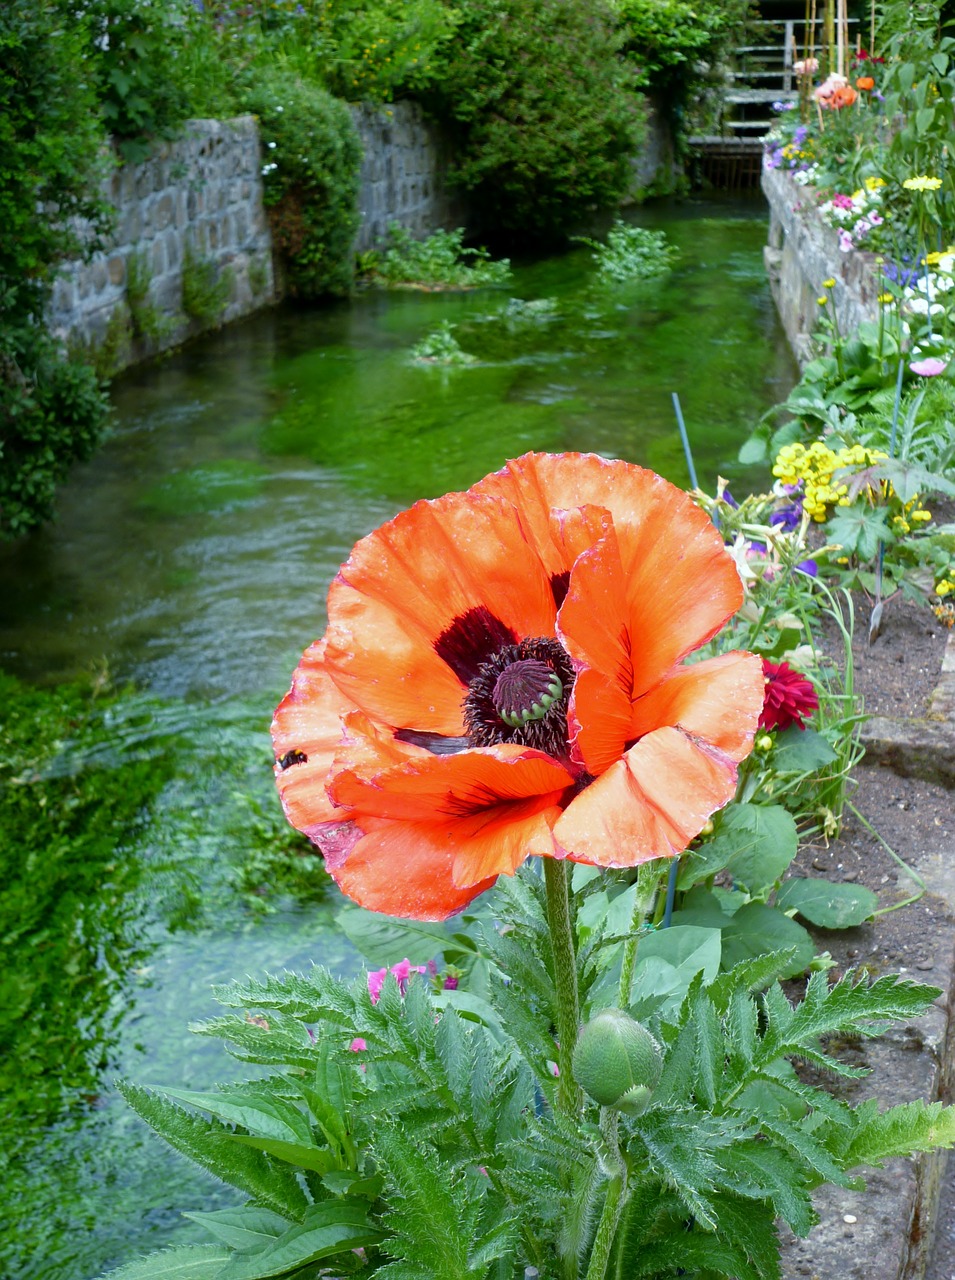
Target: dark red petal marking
{"type": "Point", "coordinates": [471, 640]}
{"type": "Point", "coordinates": [559, 584]}
{"type": "Point", "coordinates": [437, 743]}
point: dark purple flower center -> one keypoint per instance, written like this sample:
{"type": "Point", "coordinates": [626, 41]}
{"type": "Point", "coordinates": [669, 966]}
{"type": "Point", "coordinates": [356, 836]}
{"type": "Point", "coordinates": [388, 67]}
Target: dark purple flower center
{"type": "Point", "coordinates": [520, 695]}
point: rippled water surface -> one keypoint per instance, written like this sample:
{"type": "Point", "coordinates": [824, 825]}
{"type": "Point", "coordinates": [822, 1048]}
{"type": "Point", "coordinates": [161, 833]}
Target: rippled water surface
{"type": "Point", "coordinates": [192, 556]}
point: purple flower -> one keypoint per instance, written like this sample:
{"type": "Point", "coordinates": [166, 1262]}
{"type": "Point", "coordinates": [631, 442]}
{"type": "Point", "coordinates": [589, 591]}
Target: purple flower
{"type": "Point", "coordinates": [787, 518]}
{"type": "Point", "coordinates": [845, 241]}
{"type": "Point", "coordinates": [808, 567]}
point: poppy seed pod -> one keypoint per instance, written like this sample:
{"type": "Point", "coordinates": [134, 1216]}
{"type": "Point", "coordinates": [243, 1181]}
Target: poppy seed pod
{"type": "Point", "coordinates": [617, 1061]}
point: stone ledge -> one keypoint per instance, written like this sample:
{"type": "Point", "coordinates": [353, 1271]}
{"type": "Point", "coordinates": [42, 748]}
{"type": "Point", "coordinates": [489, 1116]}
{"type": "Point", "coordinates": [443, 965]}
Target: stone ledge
{"type": "Point", "coordinates": [887, 1231]}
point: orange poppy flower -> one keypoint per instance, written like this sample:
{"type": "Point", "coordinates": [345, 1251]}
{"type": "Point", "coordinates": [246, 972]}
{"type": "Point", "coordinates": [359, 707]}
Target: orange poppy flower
{"type": "Point", "coordinates": [843, 96]}
{"type": "Point", "coordinates": [865, 82]}
{"type": "Point", "coordinates": [503, 676]}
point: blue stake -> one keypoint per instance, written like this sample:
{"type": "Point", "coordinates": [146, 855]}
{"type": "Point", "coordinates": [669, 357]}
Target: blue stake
{"type": "Point", "coordinates": [686, 440]}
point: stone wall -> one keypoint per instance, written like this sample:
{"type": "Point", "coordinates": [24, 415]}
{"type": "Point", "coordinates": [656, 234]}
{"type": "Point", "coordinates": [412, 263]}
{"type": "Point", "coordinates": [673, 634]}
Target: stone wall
{"type": "Point", "coordinates": [803, 251]}
{"type": "Point", "coordinates": [195, 201]}
{"type": "Point", "coordinates": [196, 205]}
{"type": "Point", "coordinates": [403, 174]}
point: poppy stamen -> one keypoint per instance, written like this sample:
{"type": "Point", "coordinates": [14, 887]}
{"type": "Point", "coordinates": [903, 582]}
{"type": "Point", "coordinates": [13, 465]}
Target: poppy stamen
{"type": "Point", "coordinates": [520, 696]}
{"type": "Point", "coordinates": [526, 690]}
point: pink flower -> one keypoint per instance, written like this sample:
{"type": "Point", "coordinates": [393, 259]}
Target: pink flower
{"type": "Point", "coordinates": [401, 972]}
{"type": "Point", "coordinates": [929, 368]}
{"type": "Point", "coordinates": [845, 241]}
{"type": "Point", "coordinates": [357, 1045]}
{"type": "Point", "coordinates": [842, 202]}
{"type": "Point", "coordinates": [806, 66]}
{"type": "Point", "coordinates": [789, 699]}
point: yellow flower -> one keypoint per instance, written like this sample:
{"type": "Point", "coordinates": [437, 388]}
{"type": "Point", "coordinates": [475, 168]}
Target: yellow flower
{"type": "Point", "coordinates": [823, 299]}
{"type": "Point", "coordinates": [944, 587]}
{"type": "Point", "coordinates": [873, 184]}
{"type": "Point", "coordinates": [922, 183]}
{"type": "Point", "coordinates": [884, 298]}
{"type": "Point", "coordinates": [829, 284]}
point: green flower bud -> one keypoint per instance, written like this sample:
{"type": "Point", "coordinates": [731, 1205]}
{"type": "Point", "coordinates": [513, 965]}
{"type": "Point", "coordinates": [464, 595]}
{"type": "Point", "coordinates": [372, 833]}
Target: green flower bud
{"type": "Point", "coordinates": [617, 1061]}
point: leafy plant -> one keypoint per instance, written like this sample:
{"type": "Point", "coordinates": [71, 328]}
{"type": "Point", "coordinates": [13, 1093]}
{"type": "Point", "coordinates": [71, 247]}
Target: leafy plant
{"type": "Point", "coordinates": [148, 321]}
{"type": "Point", "coordinates": [441, 347]}
{"type": "Point", "coordinates": [631, 253]}
{"type": "Point", "coordinates": [52, 410]}
{"type": "Point", "coordinates": [311, 180]}
{"type": "Point", "coordinates": [205, 289]}
{"type": "Point", "coordinates": [426, 1128]}
{"type": "Point", "coordinates": [439, 260]}
{"type": "Point", "coordinates": [543, 111]}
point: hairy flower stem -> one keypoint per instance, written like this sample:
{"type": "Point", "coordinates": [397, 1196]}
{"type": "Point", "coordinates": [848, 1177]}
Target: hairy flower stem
{"type": "Point", "coordinates": [648, 885]}
{"type": "Point", "coordinates": [557, 884]}
{"type": "Point", "coordinates": [616, 1194]}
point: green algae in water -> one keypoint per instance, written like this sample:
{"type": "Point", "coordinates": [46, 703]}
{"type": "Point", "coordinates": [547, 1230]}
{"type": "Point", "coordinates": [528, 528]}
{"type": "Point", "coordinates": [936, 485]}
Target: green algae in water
{"type": "Point", "coordinates": [213, 487]}
{"type": "Point", "coordinates": [127, 822]}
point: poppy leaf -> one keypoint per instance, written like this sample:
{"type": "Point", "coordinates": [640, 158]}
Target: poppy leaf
{"type": "Point", "coordinates": [185, 1262]}
{"type": "Point", "coordinates": [830, 906]}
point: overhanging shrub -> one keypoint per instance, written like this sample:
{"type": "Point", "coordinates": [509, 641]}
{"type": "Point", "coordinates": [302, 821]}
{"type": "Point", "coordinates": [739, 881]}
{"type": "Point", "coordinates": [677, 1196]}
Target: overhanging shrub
{"type": "Point", "coordinates": [312, 155]}
{"type": "Point", "coordinates": [544, 109]}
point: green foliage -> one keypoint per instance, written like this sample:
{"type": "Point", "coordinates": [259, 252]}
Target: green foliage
{"type": "Point", "coordinates": [52, 411]}
{"type": "Point", "coordinates": [631, 253]}
{"type": "Point", "coordinates": [441, 347]}
{"type": "Point", "coordinates": [131, 51]}
{"type": "Point", "coordinates": [668, 40]}
{"type": "Point", "coordinates": [312, 157]}
{"type": "Point", "coordinates": [438, 261]}
{"type": "Point", "coordinates": [544, 112]}
{"type": "Point", "coordinates": [377, 52]}
{"type": "Point", "coordinates": [411, 1127]}
{"type": "Point", "coordinates": [148, 322]}
{"type": "Point", "coordinates": [205, 289]}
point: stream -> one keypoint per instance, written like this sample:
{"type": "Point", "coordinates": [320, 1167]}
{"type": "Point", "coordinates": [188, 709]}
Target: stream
{"type": "Point", "coordinates": [189, 563]}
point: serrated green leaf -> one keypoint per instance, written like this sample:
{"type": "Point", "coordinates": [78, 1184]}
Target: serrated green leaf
{"type": "Point", "coordinates": [899, 1131]}
{"type": "Point", "coordinates": [859, 529]}
{"type": "Point", "coordinates": [185, 1262]}
{"type": "Point", "coordinates": [828, 905]}
{"type": "Point", "coordinates": [245, 1229]}
{"type": "Point", "coordinates": [209, 1143]}
{"type": "Point", "coordinates": [265, 1117]}
{"type": "Point", "coordinates": [327, 1229]}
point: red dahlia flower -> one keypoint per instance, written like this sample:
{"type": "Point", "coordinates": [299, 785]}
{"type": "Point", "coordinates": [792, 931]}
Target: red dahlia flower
{"type": "Point", "coordinates": [790, 697]}
{"type": "Point", "coordinates": [502, 676]}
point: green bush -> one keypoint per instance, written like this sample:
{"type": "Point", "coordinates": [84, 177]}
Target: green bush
{"type": "Point", "coordinates": [132, 53]}
{"type": "Point", "coordinates": [52, 411]}
{"type": "Point", "coordinates": [544, 110]}
{"type": "Point", "coordinates": [312, 155]}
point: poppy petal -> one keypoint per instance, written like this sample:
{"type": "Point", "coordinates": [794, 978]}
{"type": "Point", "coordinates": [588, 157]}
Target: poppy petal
{"type": "Point", "coordinates": [681, 588]}
{"type": "Point", "coordinates": [496, 806]}
{"type": "Point", "coordinates": [405, 869]}
{"type": "Point", "coordinates": [650, 804]}
{"type": "Point", "coordinates": [306, 734]}
{"type": "Point", "coordinates": [592, 628]}
{"type": "Point", "coordinates": [460, 562]}
{"type": "Point", "coordinates": [718, 699]}
{"type": "Point", "coordinates": [445, 788]}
